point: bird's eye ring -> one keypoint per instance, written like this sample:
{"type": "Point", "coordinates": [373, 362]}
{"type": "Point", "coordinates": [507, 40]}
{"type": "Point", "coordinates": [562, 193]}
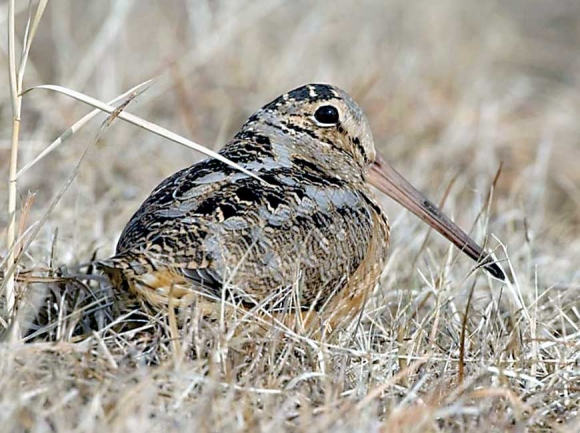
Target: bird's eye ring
{"type": "Point", "coordinates": [327, 115]}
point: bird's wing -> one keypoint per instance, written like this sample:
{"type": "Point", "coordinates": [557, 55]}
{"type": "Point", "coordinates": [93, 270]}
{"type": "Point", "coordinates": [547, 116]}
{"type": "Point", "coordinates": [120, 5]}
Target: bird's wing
{"type": "Point", "coordinates": [219, 227]}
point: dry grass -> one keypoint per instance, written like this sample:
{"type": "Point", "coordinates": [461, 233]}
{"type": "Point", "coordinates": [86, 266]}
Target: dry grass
{"type": "Point", "coordinates": [452, 89]}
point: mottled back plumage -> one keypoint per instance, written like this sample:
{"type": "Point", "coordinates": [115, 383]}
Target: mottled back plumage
{"type": "Point", "coordinates": [312, 233]}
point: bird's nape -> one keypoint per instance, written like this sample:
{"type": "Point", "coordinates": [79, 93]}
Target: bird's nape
{"type": "Point", "coordinates": [388, 180]}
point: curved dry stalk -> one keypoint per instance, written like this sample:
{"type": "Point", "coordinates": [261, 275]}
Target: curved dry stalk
{"type": "Point", "coordinates": [142, 123]}
{"type": "Point", "coordinates": [79, 124]}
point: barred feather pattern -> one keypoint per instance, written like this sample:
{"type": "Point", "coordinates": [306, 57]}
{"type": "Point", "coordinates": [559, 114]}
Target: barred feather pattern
{"type": "Point", "coordinates": [311, 228]}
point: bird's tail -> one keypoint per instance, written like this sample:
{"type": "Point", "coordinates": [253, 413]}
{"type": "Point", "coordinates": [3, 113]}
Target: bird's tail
{"type": "Point", "coordinates": [116, 269]}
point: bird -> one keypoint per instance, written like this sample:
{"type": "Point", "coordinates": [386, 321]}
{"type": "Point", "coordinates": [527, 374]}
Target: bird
{"type": "Point", "coordinates": [305, 235]}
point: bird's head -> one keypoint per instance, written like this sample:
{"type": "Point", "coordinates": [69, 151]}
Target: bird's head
{"type": "Point", "coordinates": [323, 123]}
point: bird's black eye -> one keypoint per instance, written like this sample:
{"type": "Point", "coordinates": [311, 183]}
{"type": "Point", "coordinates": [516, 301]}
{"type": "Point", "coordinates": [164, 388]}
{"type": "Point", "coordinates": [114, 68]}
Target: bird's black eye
{"type": "Point", "coordinates": [327, 115]}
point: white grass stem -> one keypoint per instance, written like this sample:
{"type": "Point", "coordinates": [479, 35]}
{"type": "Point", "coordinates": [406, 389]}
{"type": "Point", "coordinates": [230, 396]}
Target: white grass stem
{"type": "Point", "coordinates": [142, 123]}
{"type": "Point", "coordinates": [16, 77]}
{"type": "Point", "coordinates": [78, 125]}
{"type": "Point", "coordinates": [10, 287]}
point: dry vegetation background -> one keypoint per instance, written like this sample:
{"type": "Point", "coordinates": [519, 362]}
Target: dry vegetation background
{"type": "Point", "coordinates": [452, 89]}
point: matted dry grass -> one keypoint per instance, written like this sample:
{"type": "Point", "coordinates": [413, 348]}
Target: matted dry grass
{"type": "Point", "coordinates": [453, 89]}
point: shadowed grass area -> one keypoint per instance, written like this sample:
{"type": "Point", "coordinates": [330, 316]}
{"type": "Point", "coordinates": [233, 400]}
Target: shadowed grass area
{"type": "Point", "coordinates": [453, 90]}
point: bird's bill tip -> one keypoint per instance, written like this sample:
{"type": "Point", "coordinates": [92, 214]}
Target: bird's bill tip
{"type": "Point", "coordinates": [386, 179]}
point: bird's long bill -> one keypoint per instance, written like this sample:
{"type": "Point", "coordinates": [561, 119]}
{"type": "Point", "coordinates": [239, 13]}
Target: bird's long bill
{"type": "Point", "coordinates": [385, 178]}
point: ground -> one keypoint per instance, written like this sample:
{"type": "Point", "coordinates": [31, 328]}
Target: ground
{"type": "Point", "coordinates": [475, 102]}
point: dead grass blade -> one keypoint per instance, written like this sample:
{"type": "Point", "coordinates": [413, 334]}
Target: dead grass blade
{"type": "Point", "coordinates": [142, 123]}
{"type": "Point", "coordinates": [79, 124]}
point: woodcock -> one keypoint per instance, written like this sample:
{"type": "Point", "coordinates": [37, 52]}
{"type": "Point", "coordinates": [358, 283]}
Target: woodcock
{"type": "Point", "coordinates": [309, 237]}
